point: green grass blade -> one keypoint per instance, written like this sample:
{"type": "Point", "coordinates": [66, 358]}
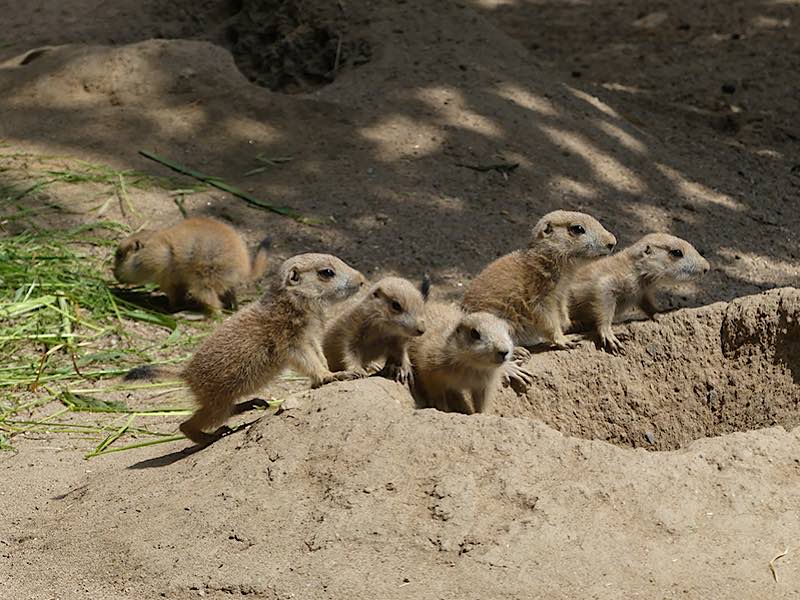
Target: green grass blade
{"type": "Point", "coordinates": [219, 183]}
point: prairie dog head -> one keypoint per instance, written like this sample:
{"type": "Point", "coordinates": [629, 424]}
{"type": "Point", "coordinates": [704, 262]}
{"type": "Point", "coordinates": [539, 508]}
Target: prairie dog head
{"type": "Point", "coordinates": [319, 277]}
{"type": "Point", "coordinates": [664, 257]}
{"type": "Point", "coordinates": [572, 235]}
{"type": "Point", "coordinates": [399, 305]}
{"type": "Point", "coordinates": [140, 258]}
{"type": "Point", "coordinates": [482, 340]}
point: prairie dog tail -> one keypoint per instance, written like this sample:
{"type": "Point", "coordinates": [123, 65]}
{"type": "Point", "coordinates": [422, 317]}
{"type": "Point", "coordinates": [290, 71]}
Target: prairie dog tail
{"type": "Point", "coordinates": [152, 373]}
{"type": "Point", "coordinates": [259, 264]}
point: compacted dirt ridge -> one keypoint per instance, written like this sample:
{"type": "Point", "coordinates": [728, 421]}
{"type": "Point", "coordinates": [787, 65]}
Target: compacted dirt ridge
{"type": "Point", "coordinates": [670, 472]}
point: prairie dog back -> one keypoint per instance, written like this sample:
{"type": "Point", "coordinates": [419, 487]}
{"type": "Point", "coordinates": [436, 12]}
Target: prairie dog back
{"type": "Point", "coordinates": [379, 327]}
{"type": "Point", "coordinates": [605, 289]}
{"type": "Point", "coordinates": [200, 258]}
{"type": "Point", "coordinates": [282, 329]}
{"type": "Point", "coordinates": [528, 287]}
{"type": "Point", "coordinates": [460, 355]}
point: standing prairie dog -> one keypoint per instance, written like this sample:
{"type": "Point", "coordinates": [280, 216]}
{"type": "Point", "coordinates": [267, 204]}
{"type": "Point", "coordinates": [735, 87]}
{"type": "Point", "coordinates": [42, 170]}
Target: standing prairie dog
{"type": "Point", "coordinates": [202, 258]}
{"type": "Point", "coordinates": [606, 288]}
{"type": "Point", "coordinates": [459, 355]}
{"type": "Point", "coordinates": [528, 288]}
{"type": "Point", "coordinates": [282, 329]}
{"type": "Point", "coordinates": [379, 327]}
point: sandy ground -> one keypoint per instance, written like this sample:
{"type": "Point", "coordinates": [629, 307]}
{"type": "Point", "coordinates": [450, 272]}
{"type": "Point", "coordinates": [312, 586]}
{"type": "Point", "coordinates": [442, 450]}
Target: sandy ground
{"type": "Point", "coordinates": [651, 116]}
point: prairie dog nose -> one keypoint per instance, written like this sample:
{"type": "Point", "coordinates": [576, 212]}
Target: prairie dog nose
{"type": "Point", "coordinates": [503, 356]}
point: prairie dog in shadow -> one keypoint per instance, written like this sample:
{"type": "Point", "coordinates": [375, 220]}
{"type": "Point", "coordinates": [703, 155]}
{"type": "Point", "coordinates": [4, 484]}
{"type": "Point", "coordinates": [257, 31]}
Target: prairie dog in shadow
{"type": "Point", "coordinates": [379, 327]}
{"type": "Point", "coordinates": [282, 329]}
{"type": "Point", "coordinates": [459, 360]}
{"type": "Point", "coordinates": [605, 289]}
{"type": "Point", "coordinates": [200, 258]}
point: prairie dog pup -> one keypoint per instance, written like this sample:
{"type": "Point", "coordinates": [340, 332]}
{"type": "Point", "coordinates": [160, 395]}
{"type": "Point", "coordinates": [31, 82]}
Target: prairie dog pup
{"type": "Point", "coordinates": [379, 327]}
{"type": "Point", "coordinates": [608, 287]}
{"type": "Point", "coordinates": [282, 329]}
{"type": "Point", "coordinates": [201, 258]}
{"type": "Point", "coordinates": [459, 355]}
{"type": "Point", "coordinates": [528, 288]}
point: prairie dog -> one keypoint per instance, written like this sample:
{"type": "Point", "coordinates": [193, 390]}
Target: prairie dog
{"type": "Point", "coordinates": [606, 288]}
{"type": "Point", "coordinates": [528, 288]}
{"type": "Point", "coordinates": [461, 354]}
{"type": "Point", "coordinates": [282, 329]}
{"type": "Point", "coordinates": [379, 327]}
{"type": "Point", "coordinates": [201, 258]}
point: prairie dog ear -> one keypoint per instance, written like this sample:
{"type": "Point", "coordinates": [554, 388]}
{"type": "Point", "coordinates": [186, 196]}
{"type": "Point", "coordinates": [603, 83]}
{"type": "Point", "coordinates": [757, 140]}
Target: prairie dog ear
{"type": "Point", "coordinates": [648, 249]}
{"type": "Point", "coordinates": [546, 230]}
{"type": "Point", "coordinates": [425, 286]}
{"type": "Point", "coordinates": [293, 276]}
{"type": "Point", "coordinates": [137, 245]}
{"type": "Point", "coordinates": [377, 293]}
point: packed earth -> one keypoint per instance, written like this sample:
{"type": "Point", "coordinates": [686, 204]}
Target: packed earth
{"type": "Point", "coordinates": [408, 138]}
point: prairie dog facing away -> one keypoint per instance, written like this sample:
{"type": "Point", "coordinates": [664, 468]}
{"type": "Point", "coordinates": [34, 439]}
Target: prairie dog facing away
{"type": "Point", "coordinates": [282, 329]}
{"type": "Point", "coordinates": [379, 327]}
{"type": "Point", "coordinates": [202, 258]}
{"type": "Point", "coordinates": [606, 288]}
{"type": "Point", "coordinates": [459, 355]}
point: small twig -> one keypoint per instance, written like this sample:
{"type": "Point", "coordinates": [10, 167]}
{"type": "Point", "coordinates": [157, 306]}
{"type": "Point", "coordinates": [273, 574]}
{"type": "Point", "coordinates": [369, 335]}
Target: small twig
{"type": "Point", "coordinates": [122, 192]}
{"type": "Point", "coordinates": [226, 187]}
{"type": "Point", "coordinates": [503, 168]}
{"type": "Point", "coordinates": [179, 201]}
{"type": "Point", "coordinates": [772, 564]}
{"type": "Point", "coordinates": [338, 56]}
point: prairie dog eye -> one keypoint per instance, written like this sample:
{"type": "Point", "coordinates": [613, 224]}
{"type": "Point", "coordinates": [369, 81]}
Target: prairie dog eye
{"type": "Point", "coordinates": [577, 229]}
{"type": "Point", "coordinates": [396, 306]}
{"type": "Point", "coordinates": [677, 253]}
{"type": "Point", "coordinates": [326, 273]}
{"type": "Point", "coordinates": [475, 334]}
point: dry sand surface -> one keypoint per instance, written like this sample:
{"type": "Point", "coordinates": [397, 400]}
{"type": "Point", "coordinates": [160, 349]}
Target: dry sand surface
{"type": "Point", "coordinates": [670, 472]}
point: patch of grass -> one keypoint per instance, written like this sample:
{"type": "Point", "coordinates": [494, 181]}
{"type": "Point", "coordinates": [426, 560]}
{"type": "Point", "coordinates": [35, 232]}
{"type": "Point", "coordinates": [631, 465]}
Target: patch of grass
{"type": "Point", "coordinates": [62, 325]}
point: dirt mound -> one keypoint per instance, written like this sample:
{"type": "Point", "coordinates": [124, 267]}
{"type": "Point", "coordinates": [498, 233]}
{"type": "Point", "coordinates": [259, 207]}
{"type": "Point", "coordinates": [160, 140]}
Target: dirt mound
{"type": "Point", "coordinates": [354, 495]}
{"type": "Point", "coordinates": [351, 493]}
{"type": "Point", "coordinates": [695, 373]}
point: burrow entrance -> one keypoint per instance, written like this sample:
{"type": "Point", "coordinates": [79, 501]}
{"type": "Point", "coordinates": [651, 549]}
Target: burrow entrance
{"type": "Point", "coordinates": [293, 46]}
{"type": "Point", "coordinates": [693, 374]}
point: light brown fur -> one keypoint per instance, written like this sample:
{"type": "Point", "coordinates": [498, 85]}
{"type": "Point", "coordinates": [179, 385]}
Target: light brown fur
{"type": "Point", "coordinates": [378, 328]}
{"type": "Point", "coordinates": [528, 288]}
{"type": "Point", "coordinates": [607, 288]}
{"type": "Point", "coordinates": [201, 258]}
{"type": "Point", "coordinates": [282, 329]}
{"type": "Point", "coordinates": [451, 364]}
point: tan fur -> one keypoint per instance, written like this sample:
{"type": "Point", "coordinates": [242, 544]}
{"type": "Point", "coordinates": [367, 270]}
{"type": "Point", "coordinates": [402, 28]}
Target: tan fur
{"type": "Point", "coordinates": [376, 329]}
{"type": "Point", "coordinates": [282, 329]}
{"type": "Point", "coordinates": [450, 365]}
{"type": "Point", "coordinates": [528, 288]}
{"type": "Point", "coordinates": [606, 288]}
{"type": "Point", "coordinates": [202, 258]}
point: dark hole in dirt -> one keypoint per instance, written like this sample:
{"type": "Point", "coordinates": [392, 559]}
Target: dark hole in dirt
{"type": "Point", "coordinates": [234, 7]}
{"type": "Point", "coordinates": [291, 46]}
{"type": "Point", "coordinates": [693, 374]}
